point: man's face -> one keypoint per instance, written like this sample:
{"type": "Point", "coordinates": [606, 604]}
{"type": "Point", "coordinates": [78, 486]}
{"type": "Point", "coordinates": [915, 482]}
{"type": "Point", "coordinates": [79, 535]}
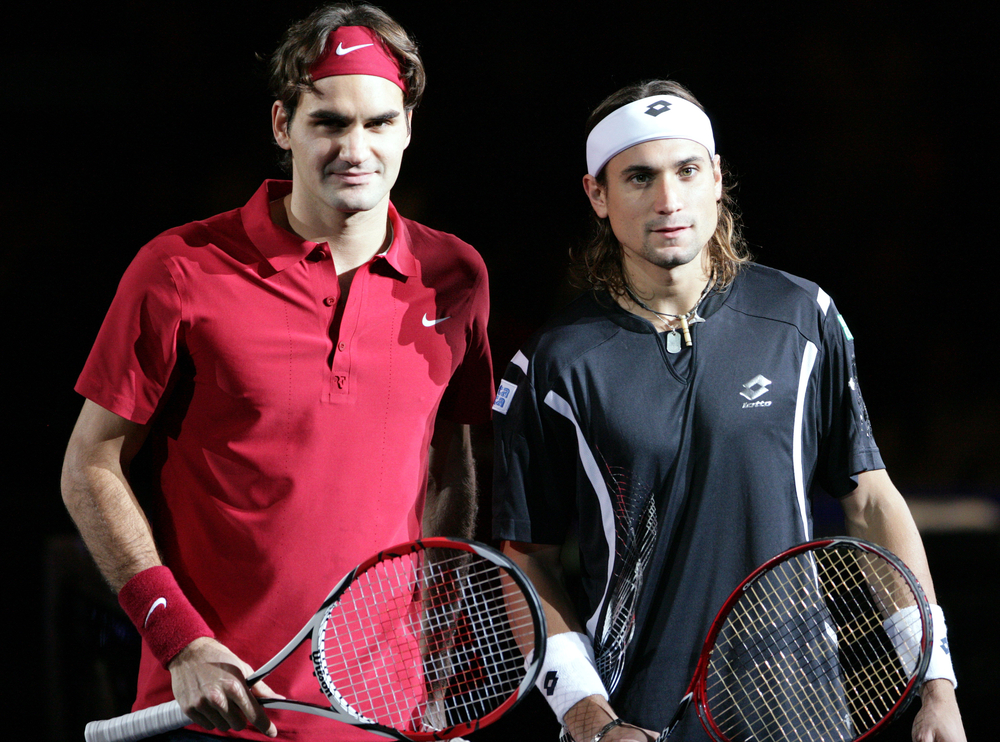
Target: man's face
{"type": "Point", "coordinates": [347, 141]}
{"type": "Point", "coordinates": [661, 199]}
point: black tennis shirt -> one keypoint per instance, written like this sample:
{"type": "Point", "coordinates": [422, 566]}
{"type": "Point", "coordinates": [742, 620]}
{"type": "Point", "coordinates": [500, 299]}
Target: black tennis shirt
{"type": "Point", "coordinates": [723, 443]}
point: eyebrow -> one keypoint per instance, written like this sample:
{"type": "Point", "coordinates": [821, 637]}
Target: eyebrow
{"type": "Point", "coordinates": [689, 160]}
{"type": "Point", "coordinates": [642, 168]}
{"type": "Point", "coordinates": [339, 118]}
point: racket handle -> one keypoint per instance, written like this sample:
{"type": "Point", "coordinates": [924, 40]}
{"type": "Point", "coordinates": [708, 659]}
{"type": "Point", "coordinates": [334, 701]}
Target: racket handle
{"type": "Point", "coordinates": [138, 725]}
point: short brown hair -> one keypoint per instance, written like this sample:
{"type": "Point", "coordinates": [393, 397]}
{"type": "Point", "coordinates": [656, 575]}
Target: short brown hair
{"type": "Point", "coordinates": [599, 263]}
{"type": "Point", "coordinates": [304, 42]}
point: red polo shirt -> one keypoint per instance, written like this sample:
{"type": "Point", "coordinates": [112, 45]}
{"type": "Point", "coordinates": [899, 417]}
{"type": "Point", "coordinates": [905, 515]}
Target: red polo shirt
{"type": "Point", "coordinates": [287, 451]}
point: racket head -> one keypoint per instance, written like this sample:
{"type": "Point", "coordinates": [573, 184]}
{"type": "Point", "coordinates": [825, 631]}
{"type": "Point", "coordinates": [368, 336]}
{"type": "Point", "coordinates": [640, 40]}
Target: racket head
{"type": "Point", "coordinates": [828, 640]}
{"type": "Point", "coordinates": [431, 639]}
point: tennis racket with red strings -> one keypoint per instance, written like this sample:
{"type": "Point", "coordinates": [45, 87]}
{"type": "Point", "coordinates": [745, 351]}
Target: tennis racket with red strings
{"type": "Point", "coordinates": [826, 641]}
{"type": "Point", "coordinates": [423, 641]}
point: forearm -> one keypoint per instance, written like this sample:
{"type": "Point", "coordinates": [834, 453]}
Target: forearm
{"type": "Point", "coordinates": [452, 498]}
{"type": "Point", "coordinates": [543, 568]}
{"type": "Point", "coordinates": [588, 715]}
{"type": "Point", "coordinates": [98, 496]}
{"type": "Point", "coordinates": [877, 512]}
{"type": "Point", "coordinates": [111, 523]}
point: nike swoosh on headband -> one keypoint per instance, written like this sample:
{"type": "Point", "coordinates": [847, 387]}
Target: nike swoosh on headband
{"type": "Point", "coordinates": [341, 51]}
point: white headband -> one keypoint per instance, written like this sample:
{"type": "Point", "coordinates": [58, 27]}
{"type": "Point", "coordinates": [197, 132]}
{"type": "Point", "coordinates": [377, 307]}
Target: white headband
{"type": "Point", "coordinates": [658, 117]}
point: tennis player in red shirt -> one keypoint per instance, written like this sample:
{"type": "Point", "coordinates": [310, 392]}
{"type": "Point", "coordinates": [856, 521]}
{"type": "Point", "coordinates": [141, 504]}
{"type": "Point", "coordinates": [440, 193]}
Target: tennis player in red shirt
{"type": "Point", "coordinates": [303, 371]}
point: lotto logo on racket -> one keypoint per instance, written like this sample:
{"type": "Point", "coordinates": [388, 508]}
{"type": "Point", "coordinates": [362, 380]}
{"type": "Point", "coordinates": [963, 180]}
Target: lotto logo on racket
{"type": "Point", "coordinates": [504, 396]}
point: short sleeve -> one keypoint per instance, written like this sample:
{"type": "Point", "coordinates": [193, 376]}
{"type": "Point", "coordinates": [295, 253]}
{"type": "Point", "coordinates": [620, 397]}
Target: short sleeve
{"type": "Point", "coordinates": [467, 398]}
{"type": "Point", "coordinates": [534, 472]}
{"type": "Point", "coordinates": [131, 362]}
{"type": "Point", "coordinates": [847, 446]}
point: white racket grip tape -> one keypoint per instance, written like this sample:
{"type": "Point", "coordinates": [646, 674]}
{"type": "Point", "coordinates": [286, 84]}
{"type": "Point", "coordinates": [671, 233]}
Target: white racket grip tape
{"type": "Point", "coordinates": [138, 725]}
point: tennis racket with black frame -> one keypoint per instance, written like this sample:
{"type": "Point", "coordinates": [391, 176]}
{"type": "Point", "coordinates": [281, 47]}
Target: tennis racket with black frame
{"type": "Point", "coordinates": [423, 641]}
{"type": "Point", "coordinates": [827, 641]}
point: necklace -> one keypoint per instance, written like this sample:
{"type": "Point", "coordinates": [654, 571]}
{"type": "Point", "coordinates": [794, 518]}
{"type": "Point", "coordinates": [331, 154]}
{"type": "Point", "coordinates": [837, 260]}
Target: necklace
{"type": "Point", "coordinates": [686, 320]}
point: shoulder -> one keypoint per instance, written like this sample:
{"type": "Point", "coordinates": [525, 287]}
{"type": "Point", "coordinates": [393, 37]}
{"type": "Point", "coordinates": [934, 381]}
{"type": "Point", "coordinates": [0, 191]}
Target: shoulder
{"type": "Point", "coordinates": [572, 334]}
{"type": "Point", "coordinates": [202, 247]}
{"type": "Point", "coordinates": [223, 228]}
{"type": "Point", "coordinates": [768, 293]}
{"type": "Point", "coordinates": [767, 289]}
{"type": "Point", "coordinates": [436, 250]}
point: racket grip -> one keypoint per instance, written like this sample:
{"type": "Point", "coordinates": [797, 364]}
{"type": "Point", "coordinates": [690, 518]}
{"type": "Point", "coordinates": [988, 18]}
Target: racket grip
{"type": "Point", "coordinates": [138, 725]}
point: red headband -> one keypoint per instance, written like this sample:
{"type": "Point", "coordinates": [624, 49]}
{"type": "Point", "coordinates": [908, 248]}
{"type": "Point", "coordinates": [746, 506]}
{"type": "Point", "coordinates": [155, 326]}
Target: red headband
{"type": "Point", "coordinates": [357, 50]}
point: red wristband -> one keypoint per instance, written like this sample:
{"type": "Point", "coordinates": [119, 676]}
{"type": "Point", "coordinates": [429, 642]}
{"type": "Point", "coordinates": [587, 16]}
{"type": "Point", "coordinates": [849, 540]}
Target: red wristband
{"type": "Point", "coordinates": [165, 619]}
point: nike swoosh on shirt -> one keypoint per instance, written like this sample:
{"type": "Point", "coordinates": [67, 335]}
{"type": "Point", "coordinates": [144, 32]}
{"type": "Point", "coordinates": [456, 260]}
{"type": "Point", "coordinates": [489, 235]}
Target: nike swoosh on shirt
{"type": "Point", "coordinates": [432, 322]}
{"type": "Point", "coordinates": [156, 604]}
{"type": "Point", "coordinates": [341, 51]}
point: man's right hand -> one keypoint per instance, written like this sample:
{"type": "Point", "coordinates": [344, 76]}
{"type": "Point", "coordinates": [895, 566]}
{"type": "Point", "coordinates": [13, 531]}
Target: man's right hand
{"type": "Point", "coordinates": [209, 682]}
{"type": "Point", "coordinates": [587, 717]}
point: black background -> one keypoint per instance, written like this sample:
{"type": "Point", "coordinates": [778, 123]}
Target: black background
{"type": "Point", "coordinates": [858, 134]}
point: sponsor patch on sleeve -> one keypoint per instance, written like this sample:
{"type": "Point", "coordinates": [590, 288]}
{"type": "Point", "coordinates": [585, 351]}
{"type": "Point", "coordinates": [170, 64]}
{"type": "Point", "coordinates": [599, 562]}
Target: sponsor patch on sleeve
{"type": "Point", "coordinates": [504, 396]}
{"type": "Point", "coordinates": [845, 328]}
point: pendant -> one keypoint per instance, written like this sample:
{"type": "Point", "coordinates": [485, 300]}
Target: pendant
{"type": "Point", "coordinates": [673, 342]}
{"type": "Point", "coordinates": [685, 321]}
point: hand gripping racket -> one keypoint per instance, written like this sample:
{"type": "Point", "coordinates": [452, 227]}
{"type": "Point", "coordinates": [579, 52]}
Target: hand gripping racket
{"type": "Point", "coordinates": [424, 641]}
{"type": "Point", "coordinates": [827, 641]}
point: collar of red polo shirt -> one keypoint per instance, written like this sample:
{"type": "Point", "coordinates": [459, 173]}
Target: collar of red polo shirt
{"type": "Point", "coordinates": [357, 50]}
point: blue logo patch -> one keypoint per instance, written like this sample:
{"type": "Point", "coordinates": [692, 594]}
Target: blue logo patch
{"type": "Point", "coordinates": [504, 396]}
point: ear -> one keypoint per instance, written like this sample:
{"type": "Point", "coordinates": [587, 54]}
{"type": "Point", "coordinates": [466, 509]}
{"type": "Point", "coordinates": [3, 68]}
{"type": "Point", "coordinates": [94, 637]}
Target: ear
{"type": "Point", "coordinates": [279, 125]}
{"type": "Point", "coordinates": [717, 173]}
{"type": "Point", "coordinates": [409, 127]}
{"type": "Point", "coordinates": [597, 195]}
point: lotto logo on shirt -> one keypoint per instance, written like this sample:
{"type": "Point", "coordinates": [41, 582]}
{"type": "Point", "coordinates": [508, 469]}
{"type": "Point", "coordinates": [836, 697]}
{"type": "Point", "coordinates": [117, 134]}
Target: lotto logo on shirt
{"type": "Point", "coordinates": [504, 395]}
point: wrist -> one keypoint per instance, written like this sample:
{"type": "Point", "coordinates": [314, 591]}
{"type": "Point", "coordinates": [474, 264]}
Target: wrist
{"type": "Point", "coordinates": [906, 631]}
{"type": "Point", "coordinates": [165, 619]}
{"type": "Point", "coordinates": [588, 718]}
{"type": "Point", "coordinates": [568, 674]}
{"type": "Point", "coordinates": [938, 689]}
{"type": "Point", "coordinates": [940, 666]}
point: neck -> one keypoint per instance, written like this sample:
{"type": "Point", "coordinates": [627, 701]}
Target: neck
{"type": "Point", "coordinates": [353, 238]}
{"type": "Point", "coordinates": [672, 291]}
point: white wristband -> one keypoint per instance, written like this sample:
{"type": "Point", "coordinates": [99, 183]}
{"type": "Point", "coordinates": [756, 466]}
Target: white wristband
{"type": "Point", "coordinates": [940, 666]}
{"type": "Point", "coordinates": [569, 672]}
{"type": "Point", "coordinates": [903, 628]}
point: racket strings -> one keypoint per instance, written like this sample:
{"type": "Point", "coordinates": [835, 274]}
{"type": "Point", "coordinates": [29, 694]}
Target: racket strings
{"type": "Point", "coordinates": [426, 641]}
{"type": "Point", "coordinates": [805, 654]}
